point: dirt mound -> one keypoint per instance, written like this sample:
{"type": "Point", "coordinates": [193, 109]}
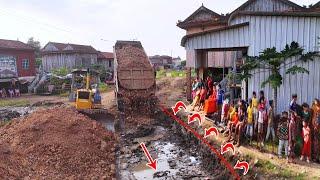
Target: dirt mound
{"type": "Point", "coordinates": [56, 144]}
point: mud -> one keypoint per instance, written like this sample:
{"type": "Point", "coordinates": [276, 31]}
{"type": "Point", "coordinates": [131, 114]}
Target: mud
{"type": "Point", "coordinates": [177, 159]}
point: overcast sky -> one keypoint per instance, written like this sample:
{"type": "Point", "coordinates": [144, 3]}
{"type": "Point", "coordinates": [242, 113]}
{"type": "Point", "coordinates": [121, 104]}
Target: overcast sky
{"type": "Point", "coordinates": [153, 22]}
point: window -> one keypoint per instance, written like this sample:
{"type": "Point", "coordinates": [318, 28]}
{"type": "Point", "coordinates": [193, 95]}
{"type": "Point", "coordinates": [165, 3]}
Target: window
{"type": "Point", "coordinates": [25, 63]}
{"type": "Point", "coordinates": [109, 63]}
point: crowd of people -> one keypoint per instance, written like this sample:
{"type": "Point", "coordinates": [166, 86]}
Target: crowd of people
{"type": "Point", "coordinates": [295, 131]}
{"type": "Point", "coordinates": [12, 91]}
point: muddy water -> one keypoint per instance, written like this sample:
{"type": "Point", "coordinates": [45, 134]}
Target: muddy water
{"type": "Point", "coordinates": [141, 171]}
{"type": "Point", "coordinates": [174, 161]}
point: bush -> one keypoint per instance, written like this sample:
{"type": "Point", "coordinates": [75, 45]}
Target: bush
{"type": "Point", "coordinates": [103, 87]}
{"type": "Point", "coordinates": [61, 71]}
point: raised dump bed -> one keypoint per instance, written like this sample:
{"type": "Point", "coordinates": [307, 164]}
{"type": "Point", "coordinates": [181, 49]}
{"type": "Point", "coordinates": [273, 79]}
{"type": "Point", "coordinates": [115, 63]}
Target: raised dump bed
{"type": "Point", "coordinates": [134, 77]}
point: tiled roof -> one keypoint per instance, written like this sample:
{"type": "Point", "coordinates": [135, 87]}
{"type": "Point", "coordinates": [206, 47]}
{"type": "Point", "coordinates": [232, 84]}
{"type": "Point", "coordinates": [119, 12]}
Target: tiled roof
{"type": "Point", "coordinates": [105, 55]}
{"type": "Point", "coordinates": [69, 48]}
{"type": "Point", "coordinates": [11, 44]}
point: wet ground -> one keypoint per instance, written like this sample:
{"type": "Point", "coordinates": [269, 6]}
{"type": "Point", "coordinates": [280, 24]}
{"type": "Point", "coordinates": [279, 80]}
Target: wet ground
{"type": "Point", "coordinates": [176, 160]}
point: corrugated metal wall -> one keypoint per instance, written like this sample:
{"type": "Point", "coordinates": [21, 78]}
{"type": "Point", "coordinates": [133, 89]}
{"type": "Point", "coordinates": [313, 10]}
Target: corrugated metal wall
{"type": "Point", "coordinates": [272, 31]}
{"type": "Point", "coordinates": [277, 31]}
{"type": "Point", "coordinates": [237, 37]}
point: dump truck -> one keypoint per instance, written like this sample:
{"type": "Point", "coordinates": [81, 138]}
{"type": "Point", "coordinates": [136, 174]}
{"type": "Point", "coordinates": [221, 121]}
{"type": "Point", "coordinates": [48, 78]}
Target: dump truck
{"type": "Point", "coordinates": [134, 77]}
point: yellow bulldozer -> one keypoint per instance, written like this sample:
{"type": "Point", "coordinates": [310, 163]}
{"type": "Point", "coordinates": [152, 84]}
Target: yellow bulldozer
{"type": "Point", "coordinates": [85, 91]}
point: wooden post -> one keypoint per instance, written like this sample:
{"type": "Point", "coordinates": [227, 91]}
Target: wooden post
{"type": "Point", "coordinates": [189, 84]}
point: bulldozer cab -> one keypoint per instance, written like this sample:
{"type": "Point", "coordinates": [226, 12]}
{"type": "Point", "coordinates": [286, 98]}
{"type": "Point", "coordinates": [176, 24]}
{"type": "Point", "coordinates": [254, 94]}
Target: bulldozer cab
{"type": "Point", "coordinates": [79, 82]}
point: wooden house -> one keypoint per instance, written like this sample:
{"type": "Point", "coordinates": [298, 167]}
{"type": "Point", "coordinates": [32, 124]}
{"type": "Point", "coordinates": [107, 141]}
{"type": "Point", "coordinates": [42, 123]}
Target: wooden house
{"type": "Point", "coordinates": [58, 55]}
{"type": "Point", "coordinates": [255, 26]}
{"type": "Point", "coordinates": [106, 59]}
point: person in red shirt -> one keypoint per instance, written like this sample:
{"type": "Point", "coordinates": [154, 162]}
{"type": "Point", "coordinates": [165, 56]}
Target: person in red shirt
{"type": "Point", "coordinates": [203, 94]}
{"type": "Point", "coordinates": [306, 150]}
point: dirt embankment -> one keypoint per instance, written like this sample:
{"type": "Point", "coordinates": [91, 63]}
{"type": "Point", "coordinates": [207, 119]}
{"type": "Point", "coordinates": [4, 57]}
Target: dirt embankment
{"type": "Point", "coordinates": [56, 143]}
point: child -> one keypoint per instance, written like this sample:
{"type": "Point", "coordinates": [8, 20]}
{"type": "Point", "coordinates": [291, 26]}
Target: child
{"type": "Point", "coordinates": [239, 126]}
{"type": "Point", "coordinates": [234, 121]}
{"type": "Point", "coordinates": [249, 131]}
{"type": "Point", "coordinates": [306, 150]}
{"type": "Point", "coordinates": [203, 94]}
{"type": "Point", "coordinates": [196, 99]}
{"type": "Point", "coordinates": [261, 117]}
{"type": "Point", "coordinates": [3, 93]}
{"type": "Point", "coordinates": [255, 104]}
{"type": "Point", "coordinates": [270, 122]}
{"type": "Point", "coordinates": [282, 133]}
{"type": "Point", "coordinates": [17, 92]}
{"type": "Point", "coordinates": [224, 112]}
{"type": "Point", "coordinates": [293, 103]}
{"type": "Point", "coordinates": [292, 136]}
{"type": "Point", "coordinates": [11, 92]}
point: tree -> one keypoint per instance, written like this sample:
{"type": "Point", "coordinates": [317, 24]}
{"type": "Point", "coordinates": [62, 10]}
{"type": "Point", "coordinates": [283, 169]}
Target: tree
{"type": "Point", "coordinates": [272, 60]}
{"type": "Point", "coordinates": [36, 45]}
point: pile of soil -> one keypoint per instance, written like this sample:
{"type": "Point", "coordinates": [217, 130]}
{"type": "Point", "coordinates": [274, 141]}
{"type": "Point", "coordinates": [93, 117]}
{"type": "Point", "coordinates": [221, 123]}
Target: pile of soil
{"type": "Point", "coordinates": [131, 54]}
{"type": "Point", "coordinates": [57, 143]}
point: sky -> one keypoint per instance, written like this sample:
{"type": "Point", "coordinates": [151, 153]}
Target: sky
{"type": "Point", "coordinates": [100, 23]}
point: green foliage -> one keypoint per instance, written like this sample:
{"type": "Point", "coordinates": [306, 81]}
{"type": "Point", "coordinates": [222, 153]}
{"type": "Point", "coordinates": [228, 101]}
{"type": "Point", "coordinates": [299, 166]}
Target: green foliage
{"type": "Point", "coordinates": [61, 71]}
{"type": "Point", "coordinates": [295, 69]}
{"type": "Point", "coordinates": [103, 87]}
{"type": "Point", "coordinates": [36, 45]}
{"type": "Point", "coordinates": [275, 80]}
{"type": "Point", "coordinates": [272, 60]}
{"type": "Point", "coordinates": [183, 63]}
{"type": "Point", "coordinates": [38, 62]}
{"type": "Point", "coordinates": [101, 70]}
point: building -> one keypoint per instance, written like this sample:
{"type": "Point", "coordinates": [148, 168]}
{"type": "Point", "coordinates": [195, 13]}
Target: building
{"type": "Point", "coordinates": [17, 60]}
{"type": "Point", "coordinates": [176, 61]}
{"type": "Point", "coordinates": [58, 55]}
{"type": "Point", "coordinates": [255, 26]}
{"type": "Point", "coordinates": [164, 62]}
{"type": "Point", "coordinates": [106, 59]}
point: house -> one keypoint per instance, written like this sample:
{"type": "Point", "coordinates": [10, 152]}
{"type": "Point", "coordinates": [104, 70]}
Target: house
{"type": "Point", "coordinates": [58, 55]}
{"type": "Point", "coordinates": [164, 61]}
{"type": "Point", "coordinates": [106, 59]}
{"type": "Point", "coordinates": [255, 26]}
{"type": "Point", "coordinates": [17, 60]}
{"type": "Point", "coordinates": [176, 61]}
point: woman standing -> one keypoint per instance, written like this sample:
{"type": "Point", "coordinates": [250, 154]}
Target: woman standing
{"type": "Point", "coordinates": [315, 128]}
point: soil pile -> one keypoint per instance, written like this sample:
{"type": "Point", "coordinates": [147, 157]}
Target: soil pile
{"type": "Point", "coordinates": [56, 143]}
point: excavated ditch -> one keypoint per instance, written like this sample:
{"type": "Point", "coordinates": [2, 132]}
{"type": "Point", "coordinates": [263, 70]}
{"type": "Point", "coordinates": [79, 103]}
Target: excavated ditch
{"type": "Point", "coordinates": [179, 153]}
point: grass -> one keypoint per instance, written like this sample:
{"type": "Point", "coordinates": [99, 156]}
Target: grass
{"type": "Point", "coordinates": [103, 87]}
{"type": "Point", "coordinates": [268, 168]}
{"type": "Point", "coordinates": [14, 102]}
{"type": "Point", "coordinates": [170, 73]}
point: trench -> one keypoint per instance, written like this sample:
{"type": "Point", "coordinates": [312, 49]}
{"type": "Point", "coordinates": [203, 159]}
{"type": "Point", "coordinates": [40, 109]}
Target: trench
{"type": "Point", "coordinates": [179, 154]}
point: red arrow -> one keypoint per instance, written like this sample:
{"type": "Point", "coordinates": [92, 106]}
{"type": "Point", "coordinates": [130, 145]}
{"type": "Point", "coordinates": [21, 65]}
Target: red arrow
{"type": "Point", "coordinates": [208, 132]}
{"type": "Point", "coordinates": [194, 118]}
{"type": "Point", "coordinates": [227, 147]}
{"type": "Point", "coordinates": [179, 105]}
{"type": "Point", "coordinates": [152, 163]}
{"type": "Point", "coordinates": [242, 165]}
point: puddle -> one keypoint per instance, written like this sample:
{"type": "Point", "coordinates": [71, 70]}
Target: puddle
{"type": "Point", "coordinates": [165, 154]}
